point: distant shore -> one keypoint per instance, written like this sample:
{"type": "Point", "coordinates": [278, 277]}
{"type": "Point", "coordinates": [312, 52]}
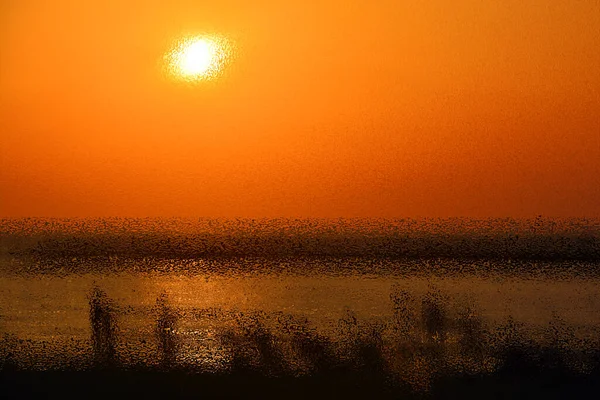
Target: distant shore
{"type": "Point", "coordinates": [539, 239]}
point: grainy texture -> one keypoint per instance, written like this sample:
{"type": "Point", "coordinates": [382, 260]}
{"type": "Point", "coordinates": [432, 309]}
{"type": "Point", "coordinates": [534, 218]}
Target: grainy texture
{"type": "Point", "coordinates": [323, 308]}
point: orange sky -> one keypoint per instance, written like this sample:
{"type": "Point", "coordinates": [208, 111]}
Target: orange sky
{"type": "Point", "coordinates": [330, 108]}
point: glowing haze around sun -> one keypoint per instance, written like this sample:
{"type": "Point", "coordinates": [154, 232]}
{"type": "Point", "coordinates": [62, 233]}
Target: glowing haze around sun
{"type": "Point", "coordinates": [198, 58]}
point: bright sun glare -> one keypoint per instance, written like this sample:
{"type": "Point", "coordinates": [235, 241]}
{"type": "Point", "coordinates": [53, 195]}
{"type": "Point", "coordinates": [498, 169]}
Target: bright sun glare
{"type": "Point", "coordinates": [198, 58]}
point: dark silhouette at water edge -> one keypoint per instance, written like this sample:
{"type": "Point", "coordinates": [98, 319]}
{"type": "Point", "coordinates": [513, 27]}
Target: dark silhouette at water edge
{"type": "Point", "coordinates": [505, 239]}
{"type": "Point", "coordinates": [426, 349]}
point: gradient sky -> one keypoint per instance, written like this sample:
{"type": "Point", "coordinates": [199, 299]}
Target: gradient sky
{"type": "Point", "coordinates": [330, 108]}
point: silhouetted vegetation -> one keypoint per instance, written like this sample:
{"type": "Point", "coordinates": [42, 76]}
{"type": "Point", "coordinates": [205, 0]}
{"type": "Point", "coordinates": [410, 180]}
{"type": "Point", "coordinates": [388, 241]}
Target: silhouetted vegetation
{"type": "Point", "coordinates": [104, 329]}
{"type": "Point", "coordinates": [426, 349]}
{"type": "Point", "coordinates": [165, 332]}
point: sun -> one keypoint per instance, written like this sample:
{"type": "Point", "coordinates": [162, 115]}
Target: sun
{"type": "Point", "coordinates": [198, 58]}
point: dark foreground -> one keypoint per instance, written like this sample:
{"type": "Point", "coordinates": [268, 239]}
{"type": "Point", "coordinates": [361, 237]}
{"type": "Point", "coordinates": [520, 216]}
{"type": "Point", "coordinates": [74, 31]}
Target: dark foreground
{"type": "Point", "coordinates": [427, 349]}
{"type": "Point", "coordinates": [522, 381]}
{"type": "Point", "coordinates": [113, 309]}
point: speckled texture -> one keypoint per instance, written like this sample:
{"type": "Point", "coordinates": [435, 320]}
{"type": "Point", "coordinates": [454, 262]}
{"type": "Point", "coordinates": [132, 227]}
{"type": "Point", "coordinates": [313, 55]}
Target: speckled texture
{"type": "Point", "coordinates": [412, 308]}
